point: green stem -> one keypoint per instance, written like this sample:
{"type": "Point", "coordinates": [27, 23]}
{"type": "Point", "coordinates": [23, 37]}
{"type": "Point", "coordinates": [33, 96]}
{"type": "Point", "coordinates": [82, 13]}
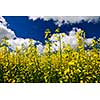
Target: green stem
{"type": "Point", "coordinates": [60, 50]}
{"type": "Point", "coordinates": [49, 61]}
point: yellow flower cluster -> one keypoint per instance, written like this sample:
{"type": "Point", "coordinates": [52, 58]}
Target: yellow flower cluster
{"type": "Point", "coordinates": [76, 65]}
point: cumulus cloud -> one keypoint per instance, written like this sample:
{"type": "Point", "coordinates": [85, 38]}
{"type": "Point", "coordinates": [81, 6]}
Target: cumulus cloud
{"type": "Point", "coordinates": [5, 31]}
{"type": "Point", "coordinates": [40, 47]}
{"type": "Point", "coordinates": [12, 39]}
{"type": "Point", "coordinates": [3, 21]}
{"type": "Point", "coordinates": [67, 39]}
{"type": "Point", "coordinates": [59, 20]}
{"type": "Point", "coordinates": [18, 42]}
{"type": "Point", "coordinates": [89, 41]}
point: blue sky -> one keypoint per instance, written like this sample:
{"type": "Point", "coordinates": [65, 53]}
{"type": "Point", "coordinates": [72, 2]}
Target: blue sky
{"type": "Point", "coordinates": [18, 29]}
{"type": "Point", "coordinates": [25, 28]}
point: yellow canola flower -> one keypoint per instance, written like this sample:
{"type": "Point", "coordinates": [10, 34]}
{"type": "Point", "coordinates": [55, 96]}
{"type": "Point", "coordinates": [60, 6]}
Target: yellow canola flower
{"type": "Point", "coordinates": [57, 38]}
{"type": "Point", "coordinates": [66, 71]}
{"type": "Point", "coordinates": [47, 33]}
{"type": "Point", "coordinates": [63, 34]}
{"type": "Point", "coordinates": [13, 81]}
{"type": "Point", "coordinates": [54, 35]}
{"type": "Point", "coordinates": [81, 81]}
{"type": "Point", "coordinates": [71, 63]}
{"type": "Point", "coordinates": [57, 30]}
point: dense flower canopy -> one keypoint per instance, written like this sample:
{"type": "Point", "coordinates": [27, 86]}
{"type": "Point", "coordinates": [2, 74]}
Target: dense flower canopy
{"type": "Point", "coordinates": [67, 64]}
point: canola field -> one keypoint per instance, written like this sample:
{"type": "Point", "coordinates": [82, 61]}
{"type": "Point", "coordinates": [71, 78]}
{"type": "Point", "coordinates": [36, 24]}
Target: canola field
{"type": "Point", "coordinates": [80, 64]}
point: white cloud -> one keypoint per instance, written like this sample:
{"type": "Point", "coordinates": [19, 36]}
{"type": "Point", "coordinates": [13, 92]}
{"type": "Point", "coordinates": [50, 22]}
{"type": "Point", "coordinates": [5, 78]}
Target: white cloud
{"type": "Point", "coordinates": [67, 39]}
{"type": "Point", "coordinates": [19, 41]}
{"type": "Point", "coordinates": [67, 19]}
{"type": "Point", "coordinates": [3, 21]}
{"type": "Point", "coordinates": [40, 47]}
{"type": "Point", "coordinates": [89, 40]}
{"type": "Point", "coordinates": [6, 32]}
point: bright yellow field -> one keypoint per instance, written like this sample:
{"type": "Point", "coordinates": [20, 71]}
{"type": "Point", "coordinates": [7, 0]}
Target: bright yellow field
{"type": "Point", "coordinates": [67, 65]}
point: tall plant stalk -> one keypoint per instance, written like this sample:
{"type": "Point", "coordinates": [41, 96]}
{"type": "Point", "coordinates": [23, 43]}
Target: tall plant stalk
{"type": "Point", "coordinates": [58, 31]}
{"type": "Point", "coordinates": [60, 50]}
{"type": "Point", "coordinates": [47, 36]}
